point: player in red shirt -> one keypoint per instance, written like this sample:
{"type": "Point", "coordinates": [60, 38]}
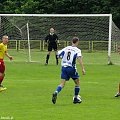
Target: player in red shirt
{"type": "Point", "coordinates": [3, 52]}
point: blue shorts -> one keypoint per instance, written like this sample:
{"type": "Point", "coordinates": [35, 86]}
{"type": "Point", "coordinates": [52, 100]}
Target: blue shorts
{"type": "Point", "coordinates": [69, 72]}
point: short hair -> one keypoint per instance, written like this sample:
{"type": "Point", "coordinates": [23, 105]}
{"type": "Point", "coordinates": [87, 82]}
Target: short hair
{"type": "Point", "coordinates": [52, 28]}
{"type": "Point", "coordinates": [4, 36]}
{"type": "Point", "coordinates": [75, 39]}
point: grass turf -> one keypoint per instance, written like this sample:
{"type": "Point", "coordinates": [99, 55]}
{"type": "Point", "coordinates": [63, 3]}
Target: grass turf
{"type": "Point", "coordinates": [30, 86]}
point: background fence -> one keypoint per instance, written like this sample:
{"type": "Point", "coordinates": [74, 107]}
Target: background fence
{"type": "Point", "coordinates": [89, 46]}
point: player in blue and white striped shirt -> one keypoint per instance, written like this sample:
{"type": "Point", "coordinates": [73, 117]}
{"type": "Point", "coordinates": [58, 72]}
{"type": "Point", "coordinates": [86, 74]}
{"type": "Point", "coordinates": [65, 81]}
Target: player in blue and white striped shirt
{"type": "Point", "coordinates": [69, 55]}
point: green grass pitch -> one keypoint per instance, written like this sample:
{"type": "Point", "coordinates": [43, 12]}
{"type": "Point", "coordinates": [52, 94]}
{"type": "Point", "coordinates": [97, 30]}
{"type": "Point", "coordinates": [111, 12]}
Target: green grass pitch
{"type": "Point", "coordinates": [30, 87]}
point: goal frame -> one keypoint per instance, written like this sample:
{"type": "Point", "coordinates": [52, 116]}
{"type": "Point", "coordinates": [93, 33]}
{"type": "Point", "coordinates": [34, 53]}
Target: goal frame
{"type": "Point", "coordinates": [69, 15]}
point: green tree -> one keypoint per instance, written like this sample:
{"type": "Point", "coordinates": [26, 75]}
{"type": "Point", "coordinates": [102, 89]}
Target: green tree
{"type": "Point", "coordinates": [62, 6]}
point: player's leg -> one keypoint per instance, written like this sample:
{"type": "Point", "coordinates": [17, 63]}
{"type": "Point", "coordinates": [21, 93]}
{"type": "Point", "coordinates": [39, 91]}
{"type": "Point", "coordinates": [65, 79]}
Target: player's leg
{"type": "Point", "coordinates": [55, 49]}
{"type": "Point", "coordinates": [60, 86]}
{"type": "Point", "coordinates": [56, 56]}
{"type": "Point", "coordinates": [58, 89]}
{"type": "Point", "coordinates": [48, 54]}
{"type": "Point", "coordinates": [1, 78]}
{"type": "Point", "coordinates": [64, 77]}
{"type": "Point", "coordinates": [77, 99]}
{"type": "Point", "coordinates": [2, 69]}
{"type": "Point", "coordinates": [118, 94]}
{"type": "Point", "coordinates": [77, 87]}
{"type": "Point", "coordinates": [47, 57]}
{"type": "Point", "coordinates": [74, 75]}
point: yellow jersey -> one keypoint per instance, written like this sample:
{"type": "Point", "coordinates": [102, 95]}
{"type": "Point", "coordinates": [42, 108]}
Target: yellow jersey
{"type": "Point", "coordinates": [3, 50]}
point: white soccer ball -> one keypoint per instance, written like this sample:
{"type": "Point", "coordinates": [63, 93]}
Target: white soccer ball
{"type": "Point", "coordinates": [78, 97]}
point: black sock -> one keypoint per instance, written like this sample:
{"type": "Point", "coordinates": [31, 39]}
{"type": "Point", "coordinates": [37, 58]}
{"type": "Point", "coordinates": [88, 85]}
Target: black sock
{"type": "Point", "coordinates": [57, 59]}
{"type": "Point", "coordinates": [47, 58]}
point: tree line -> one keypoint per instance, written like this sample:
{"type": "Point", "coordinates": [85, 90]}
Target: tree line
{"type": "Point", "coordinates": [62, 7]}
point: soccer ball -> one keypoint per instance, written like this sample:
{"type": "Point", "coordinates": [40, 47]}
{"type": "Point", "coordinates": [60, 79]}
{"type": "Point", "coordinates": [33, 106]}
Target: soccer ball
{"type": "Point", "coordinates": [78, 97]}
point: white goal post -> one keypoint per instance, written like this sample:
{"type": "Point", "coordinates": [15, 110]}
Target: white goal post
{"type": "Point", "coordinates": [110, 36]}
{"type": "Point", "coordinates": [65, 18]}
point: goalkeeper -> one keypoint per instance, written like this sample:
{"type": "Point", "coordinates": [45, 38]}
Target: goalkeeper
{"type": "Point", "coordinates": [3, 52]}
{"type": "Point", "coordinates": [52, 40]}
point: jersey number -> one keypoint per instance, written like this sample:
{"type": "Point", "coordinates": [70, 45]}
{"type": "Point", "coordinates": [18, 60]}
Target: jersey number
{"type": "Point", "coordinates": [68, 55]}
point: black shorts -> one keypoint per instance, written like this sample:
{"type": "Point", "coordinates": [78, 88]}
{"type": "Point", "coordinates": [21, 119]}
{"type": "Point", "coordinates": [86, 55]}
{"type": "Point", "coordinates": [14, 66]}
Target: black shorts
{"type": "Point", "coordinates": [52, 46]}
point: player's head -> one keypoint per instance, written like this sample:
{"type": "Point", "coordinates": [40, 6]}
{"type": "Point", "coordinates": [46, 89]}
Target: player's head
{"type": "Point", "coordinates": [75, 40]}
{"type": "Point", "coordinates": [52, 30]}
{"type": "Point", "coordinates": [5, 39]}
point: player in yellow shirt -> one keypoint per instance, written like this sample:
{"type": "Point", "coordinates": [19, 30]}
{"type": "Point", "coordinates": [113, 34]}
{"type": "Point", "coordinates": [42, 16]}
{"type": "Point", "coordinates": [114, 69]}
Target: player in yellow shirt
{"type": "Point", "coordinates": [3, 52]}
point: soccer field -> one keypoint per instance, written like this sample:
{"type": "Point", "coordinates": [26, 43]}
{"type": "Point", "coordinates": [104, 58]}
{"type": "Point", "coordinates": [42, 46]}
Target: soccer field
{"type": "Point", "coordinates": [30, 87]}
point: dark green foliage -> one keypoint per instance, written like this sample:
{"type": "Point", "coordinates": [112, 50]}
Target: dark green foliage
{"type": "Point", "coordinates": [62, 6]}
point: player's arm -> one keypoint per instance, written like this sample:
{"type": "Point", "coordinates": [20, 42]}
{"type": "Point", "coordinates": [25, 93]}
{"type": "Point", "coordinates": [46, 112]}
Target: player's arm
{"type": "Point", "coordinates": [81, 63]}
{"type": "Point", "coordinates": [1, 46]}
{"type": "Point", "coordinates": [79, 56]}
{"type": "Point", "coordinates": [61, 53]}
{"type": "Point", "coordinates": [10, 57]}
{"type": "Point", "coordinates": [57, 39]}
{"type": "Point", "coordinates": [46, 38]}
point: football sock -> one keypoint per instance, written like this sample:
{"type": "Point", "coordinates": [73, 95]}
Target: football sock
{"type": "Point", "coordinates": [57, 59]}
{"type": "Point", "coordinates": [47, 58]}
{"type": "Point", "coordinates": [59, 88]}
{"type": "Point", "coordinates": [1, 79]}
{"type": "Point", "coordinates": [77, 89]}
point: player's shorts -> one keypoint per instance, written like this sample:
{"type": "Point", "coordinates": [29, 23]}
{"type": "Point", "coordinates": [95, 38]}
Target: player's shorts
{"type": "Point", "coordinates": [52, 46]}
{"type": "Point", "coordinates": [69, 72]}
{"type": "Point", "coordinates": [2, 66]}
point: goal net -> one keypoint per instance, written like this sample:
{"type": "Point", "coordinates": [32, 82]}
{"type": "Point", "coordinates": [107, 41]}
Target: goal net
{"type": "Point", "coordinates": [115, 49]}
{"type": "Point", "coordinates": [99, 36]}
